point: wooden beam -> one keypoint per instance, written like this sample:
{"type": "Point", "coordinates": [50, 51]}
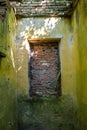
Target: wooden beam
{"type": "Point", "coordinates": [44, 40]}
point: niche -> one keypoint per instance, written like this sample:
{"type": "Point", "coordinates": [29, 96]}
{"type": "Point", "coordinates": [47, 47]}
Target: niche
{"type": "Point", "coordinates": [44, 67]}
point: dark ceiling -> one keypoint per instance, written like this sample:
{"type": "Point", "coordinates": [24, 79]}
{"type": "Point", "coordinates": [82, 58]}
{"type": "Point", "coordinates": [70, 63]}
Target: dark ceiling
{"type": "Point", "coordinates": [34, 8]}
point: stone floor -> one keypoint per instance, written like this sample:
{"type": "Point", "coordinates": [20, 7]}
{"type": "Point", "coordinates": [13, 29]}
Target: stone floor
{"type": "Point", "coordinates": [51, 113]}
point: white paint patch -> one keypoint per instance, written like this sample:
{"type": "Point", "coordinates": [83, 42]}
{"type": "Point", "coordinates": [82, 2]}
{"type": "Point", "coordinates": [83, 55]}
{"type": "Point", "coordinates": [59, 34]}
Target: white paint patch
{"type": "Point", "coordinates": [46, 64]}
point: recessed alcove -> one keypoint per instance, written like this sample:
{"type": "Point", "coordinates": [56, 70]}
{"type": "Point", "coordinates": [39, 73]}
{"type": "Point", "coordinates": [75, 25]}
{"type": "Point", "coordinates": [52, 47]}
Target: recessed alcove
{"type": "Point", "coordinates": [44, 67]}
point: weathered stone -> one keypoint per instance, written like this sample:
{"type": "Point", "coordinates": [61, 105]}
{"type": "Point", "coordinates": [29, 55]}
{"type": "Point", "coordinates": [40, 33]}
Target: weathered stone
{"type": "Point", "coordinates": [7, 71]}
{"type": "Point", "coordinates": [32, 8]}
{"type": "Point", "coordinates": [4, 6]}
{"type": "Point", "coordinates": [47, 114]}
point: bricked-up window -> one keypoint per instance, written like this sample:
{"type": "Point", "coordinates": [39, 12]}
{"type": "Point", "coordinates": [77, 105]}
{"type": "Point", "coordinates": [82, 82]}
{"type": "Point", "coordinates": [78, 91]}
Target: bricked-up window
{"type": "Point", "coordinates": [44, 68]}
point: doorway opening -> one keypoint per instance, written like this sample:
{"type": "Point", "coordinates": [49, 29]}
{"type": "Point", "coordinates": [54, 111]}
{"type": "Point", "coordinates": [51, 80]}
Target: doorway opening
{"type": "Point", "coordinates": [44, 67]}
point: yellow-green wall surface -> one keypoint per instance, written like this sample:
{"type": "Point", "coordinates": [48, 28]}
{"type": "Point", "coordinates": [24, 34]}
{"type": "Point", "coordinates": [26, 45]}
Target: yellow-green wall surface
{"type": "Point", "coordinates": [50, 27]}
{"type": "Point", "coordinates": [8, 86]}
{"type": "Point", "coordinates": [73, 55]}
{"type": "Point", "coordinates": [79, 23]}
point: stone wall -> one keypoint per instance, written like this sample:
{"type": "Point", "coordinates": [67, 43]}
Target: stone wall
{"type": "Point", "coordinates": [4, 8]}
{"type": "Point", "coordinates": [73, 54]}
{"type": "Point", "coordinates": [27, 8]}
{"type": "Point", "coordinates": [79, 23]}
{"type": "Point", "coordinates": [45, 28]}
{"type": "Point", "coordinates": [8, 87]}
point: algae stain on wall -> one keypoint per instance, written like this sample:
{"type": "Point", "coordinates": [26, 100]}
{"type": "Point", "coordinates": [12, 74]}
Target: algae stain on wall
{"type": "Point", "coordinates": [31, 28]}
{"type": "Point", "coordinates": [8, 85]}
{"type": "Point", "coordinates": [72, 49]}
{"type": "Point", "coordinates": [80, 61]}
{"type": "Point", "coordinates": [45, 28]}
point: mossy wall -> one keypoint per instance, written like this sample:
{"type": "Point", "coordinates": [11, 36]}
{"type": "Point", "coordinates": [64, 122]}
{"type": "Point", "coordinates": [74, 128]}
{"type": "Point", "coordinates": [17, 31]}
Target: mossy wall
{"type": "Point", "coordinates": [79, 23]}
{"type": "Point", "coordinates": [48, 113]}
{"type": "Point", "coordinates": [51, 27]}
{"type": "Point", "coordinates": [73, 54]}
{"type": "Point", "coordinates": [8, 86]}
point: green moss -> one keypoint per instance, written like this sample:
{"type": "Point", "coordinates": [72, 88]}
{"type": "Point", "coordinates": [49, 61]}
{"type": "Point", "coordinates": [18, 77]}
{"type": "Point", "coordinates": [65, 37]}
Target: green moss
{"type": "Point", "coordinates": [80, 48]}
{"type": "Point", "coordinates": [8, 113]}
{"type": "Point", "coordinates": [47, 114]}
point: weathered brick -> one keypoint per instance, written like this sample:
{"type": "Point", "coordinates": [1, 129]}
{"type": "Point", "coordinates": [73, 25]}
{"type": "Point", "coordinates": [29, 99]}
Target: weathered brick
{"type": "Point", "coordinates": [43, 68]}
{"type": "Point", "coordinates": [43, 8]}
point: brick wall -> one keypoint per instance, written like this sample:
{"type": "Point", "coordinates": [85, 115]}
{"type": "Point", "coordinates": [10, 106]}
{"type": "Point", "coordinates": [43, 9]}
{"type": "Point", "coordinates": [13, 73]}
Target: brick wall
{"type": "Point", "coordinates": [44, 67]}
{"type": "Point", "coordinates": [28, 8]}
